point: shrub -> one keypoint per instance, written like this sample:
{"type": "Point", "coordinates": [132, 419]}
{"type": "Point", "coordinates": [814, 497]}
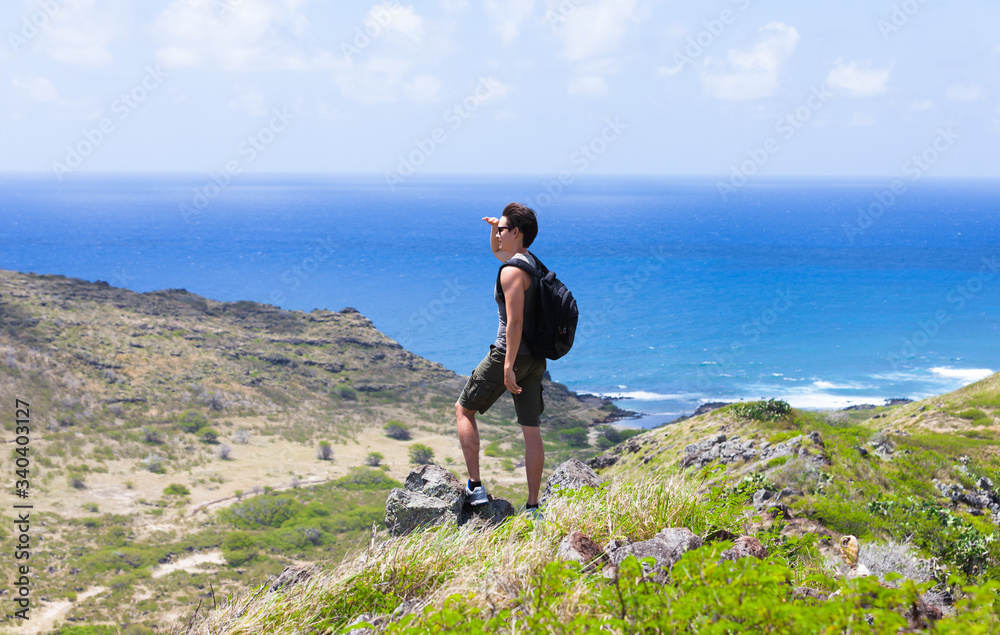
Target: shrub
{"type": "Point", "coordinates": [769, 410]}
{"type": "Point", "coordinates": [176, 489]}
{"type": "Point", "coordinates": [365, 478]}
{"type": "Point", "coordinates": [421, 454]}
{"type": "Point", "coordinates": [242, 436]}
{"type": "Point", "coordinates": [238, 548]}
{"type": "Point", "coordinates": [324, 452]}
{"type": "Point", "coordinates": [610, 436]}
{"type": "Point", "coordinates": [225, 452]}
{"type": "Point", "coordinates": [208, 435]}
{"type": "Point", "coordinates": [396, 430]}
{"type": "Point", "coordinates": [77, 483]}
{"type": "Point", "coordinates": [151, 436]}
{"type": "Point", "coordinates": [347, 393]}
{"type": "Point", "coordinates": [260, 511]}
{"type": "Point", "coordinates": [374, 459]}
{"type": "Point", "coordinates": [192, 421]}
{"type": "Point", "coordinates": [574, 437]}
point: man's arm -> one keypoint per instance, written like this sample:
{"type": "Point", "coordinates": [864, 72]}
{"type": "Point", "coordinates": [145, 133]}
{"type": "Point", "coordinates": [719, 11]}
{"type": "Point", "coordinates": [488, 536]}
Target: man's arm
{"type": "Point", "coordinates": [513, 282]}
{"type": "Point", "coordinates": [502, 256]}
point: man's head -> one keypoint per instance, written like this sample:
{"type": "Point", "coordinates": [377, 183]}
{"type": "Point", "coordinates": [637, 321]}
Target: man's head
{"type": "Point", "coordinates": [522, 217]}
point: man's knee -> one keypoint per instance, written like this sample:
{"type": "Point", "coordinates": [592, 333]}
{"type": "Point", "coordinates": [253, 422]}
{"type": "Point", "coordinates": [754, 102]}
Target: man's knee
{"type": "Point", "coordinates": [463, 412]}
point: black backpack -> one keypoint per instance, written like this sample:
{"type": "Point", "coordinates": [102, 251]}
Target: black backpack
{"type": "Point", "coordinates": [550, 331]}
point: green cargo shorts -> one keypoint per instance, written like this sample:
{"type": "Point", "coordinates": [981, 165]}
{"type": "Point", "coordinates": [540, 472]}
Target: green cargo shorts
{"type": "Point", "coordinates": [486, 385]}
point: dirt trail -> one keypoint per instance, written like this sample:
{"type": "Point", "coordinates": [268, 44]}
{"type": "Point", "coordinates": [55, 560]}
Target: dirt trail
{"type": "Point", "coordinates": [46, 617]}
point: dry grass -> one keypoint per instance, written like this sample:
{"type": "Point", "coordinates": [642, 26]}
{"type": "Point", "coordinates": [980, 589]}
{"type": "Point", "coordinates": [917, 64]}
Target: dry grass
{"type": "Point", "coordinates": [492, 567]}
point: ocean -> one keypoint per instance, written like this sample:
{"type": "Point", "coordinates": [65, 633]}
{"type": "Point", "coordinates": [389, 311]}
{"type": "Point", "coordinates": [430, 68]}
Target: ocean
{"type": "Point", "coordinates": [822, 292]}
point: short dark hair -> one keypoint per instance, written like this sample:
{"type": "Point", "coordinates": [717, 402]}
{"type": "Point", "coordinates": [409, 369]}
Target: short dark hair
{"type": "Point", "coordinates": [522, 217]}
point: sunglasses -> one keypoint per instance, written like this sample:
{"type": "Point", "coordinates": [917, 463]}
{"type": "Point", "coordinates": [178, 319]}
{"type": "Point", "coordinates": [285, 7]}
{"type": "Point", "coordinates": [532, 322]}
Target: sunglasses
{"type": "Point", "coordinates": [500, 229]}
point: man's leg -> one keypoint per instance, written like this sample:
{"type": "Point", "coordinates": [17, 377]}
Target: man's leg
{"type": "Point", "coordinates": [534, 461]}
{"type": "Point", "coordinates": [468, 437]}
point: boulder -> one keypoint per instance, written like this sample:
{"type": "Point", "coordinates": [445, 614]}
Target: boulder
{"type": "Point", "coordinates": [573, 474]}
{"type": "Point", "coordinates": [743, 547]}
{"type": "Point", "coordinates": [432, 496]}
{"type": "Point", "coordinates": [406, 510]}
{"type": "Point", "coordinates": [666, 548]}
{"type": "Point", "coordinates": [579, 547]}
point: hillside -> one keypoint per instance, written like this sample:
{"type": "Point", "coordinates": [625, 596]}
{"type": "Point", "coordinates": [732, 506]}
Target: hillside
{"type": "Point", "coordinates": [152, 412]}
{"type": "Point", "coordinates": [917, 484]}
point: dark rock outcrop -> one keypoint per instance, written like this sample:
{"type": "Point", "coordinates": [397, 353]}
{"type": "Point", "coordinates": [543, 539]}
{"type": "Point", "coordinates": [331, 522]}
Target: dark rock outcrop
{"type": "Point", "coordinates": [579, 547]}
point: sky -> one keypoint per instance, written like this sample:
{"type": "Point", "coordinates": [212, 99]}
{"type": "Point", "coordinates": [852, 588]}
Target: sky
{"type": "Point", "coordinates": [728, 88]}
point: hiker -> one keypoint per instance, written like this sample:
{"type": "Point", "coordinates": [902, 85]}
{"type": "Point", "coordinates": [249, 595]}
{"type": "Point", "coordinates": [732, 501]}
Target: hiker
{"type": "Point", "coordinates": [509, 365]}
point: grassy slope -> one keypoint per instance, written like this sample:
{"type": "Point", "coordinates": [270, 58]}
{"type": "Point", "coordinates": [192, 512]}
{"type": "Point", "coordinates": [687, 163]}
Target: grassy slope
{"type": "Point", "coordinates": [110, 374]}
{"type": "Point", "coordinates": [503, 569]}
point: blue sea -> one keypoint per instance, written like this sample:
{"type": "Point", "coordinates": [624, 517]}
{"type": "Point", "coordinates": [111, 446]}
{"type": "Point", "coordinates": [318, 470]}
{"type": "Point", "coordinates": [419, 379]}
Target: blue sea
{"type": "Point", "coordinates": [825, 293]}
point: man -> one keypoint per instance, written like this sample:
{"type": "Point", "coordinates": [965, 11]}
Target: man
{"type": "Point", "coordinates": [509, 364]}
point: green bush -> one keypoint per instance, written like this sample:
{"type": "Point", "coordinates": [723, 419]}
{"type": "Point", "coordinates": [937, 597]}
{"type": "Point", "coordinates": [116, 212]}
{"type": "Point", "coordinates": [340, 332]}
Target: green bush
{"type": "Point", "coordinates": [396, 430]}
{"type": "Point", "coordinates": [208, 435]}
{"type": "Point", "coordinates": [574, 437]}
{"type": "Point", "coordinates": [366, 478]}
{"type": "Point", "coordinates": [324, 451]}
{"type": "Point", "coordinates": [421, 454]}
{"type": "Point", "coordinates": [176, 489]}
{"type": "Point", "coordinates": [610, 437]}
{"type": "Point", "coordinates": [260, 511]}
{"type": "Point", "coordinates": [192, 421]}
{"type": "Point", "coordinates": [374, 459]}
{"type": "Point", "coordinates": [238, 548]}
{"type": "Point", "coordinates": [769, 410]}
{"type": "Point", "coordinates": [347, 393]}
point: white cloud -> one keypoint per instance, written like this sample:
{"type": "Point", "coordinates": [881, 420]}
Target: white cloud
{"type": "Point", "coordinates": [591, 86]}
{"type": "Point", "coordinates": [77, 34]}
{"type": "Point", "coordinates": [375, 80]}
{"type": "Point", "coordinates": [921, 105]}
{"type": "Point", "coordinates": [250, 102]}
{"type": "Point", "coordinates": [403, 21]}
{"type": "Point", "coordinates": [423, 88]}
{"type": "Point", "coordinates": [38, 89]}
{"type": "Point", "coordinates": [591, 29]}
{"type": "Point", "coordinates": [244, 36]}
{"type": "Point", "coordinates": [507, 16]}
{"type": "Point", "coordinates": [861, 120]}
{"type": "Point", "coordinates": [753, 72]}
{"type": "Point", "coordinates": [964, 92]}
{"type": "Point", "coordinates": [858, 78]}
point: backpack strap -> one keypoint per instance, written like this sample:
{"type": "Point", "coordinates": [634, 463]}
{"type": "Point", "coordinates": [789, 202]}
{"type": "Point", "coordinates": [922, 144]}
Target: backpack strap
{"type": "Point", "coordinates": [536, 274]}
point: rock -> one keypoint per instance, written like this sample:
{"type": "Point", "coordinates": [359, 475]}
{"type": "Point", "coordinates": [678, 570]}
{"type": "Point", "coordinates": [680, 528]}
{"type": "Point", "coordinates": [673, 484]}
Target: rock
{"type": "Point", "coordinates": [432, 496]}
{"type": "Point", "coordinates": [745, 546]}
{"type": "Point", "coordinates": [406, 510]}
{"type": "Point", "coordinates": [602, 461]}
{"type": "Point", "coordinates": [290, 577]}
{"type": "Point", "coordinates": [573, 474]}
{"type": "Point", "coordinates": [666, 548]}
{"type": "Point", "coordinates": [762, 495]}
{"type": "Point", "coordinates": [493, 512]}
{"type": "Point", "coordinates": [718, 448]}
{"type": "Point", "coordinates": [579, 548]}
{"type": "Point", "coordinates": [802, 592]}
{"type": "Point", "coordinates": [435, 481]}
